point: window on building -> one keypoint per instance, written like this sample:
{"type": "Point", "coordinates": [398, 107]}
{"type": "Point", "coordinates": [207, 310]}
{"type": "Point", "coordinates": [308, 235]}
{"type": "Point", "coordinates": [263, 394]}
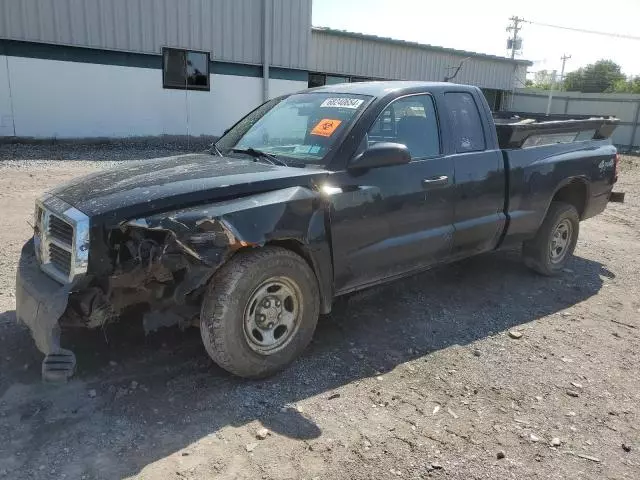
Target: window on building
{"type": "Point", "coordinates": [321, 79]}
{"type": "Point", "coordinates": [465, 121]}
{"type": "Point", "coordinates": [185, 69]}
{"type": "Point", "coordinates": [410, 121]}
{"type": "Point", "coordinates": [316, 80]}
{"type": "Point", "coordinates": [336, 79]}
{"type": "Point", "coordinates": [494, 98]}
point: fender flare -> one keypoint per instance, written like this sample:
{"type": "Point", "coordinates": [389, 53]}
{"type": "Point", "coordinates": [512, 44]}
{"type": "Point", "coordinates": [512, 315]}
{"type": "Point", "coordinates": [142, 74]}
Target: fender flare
{"type": "Point", "coordinates": [567, 181]}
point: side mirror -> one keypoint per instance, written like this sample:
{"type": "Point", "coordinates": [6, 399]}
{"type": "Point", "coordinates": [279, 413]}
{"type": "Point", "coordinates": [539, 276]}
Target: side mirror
{"type": "Point", "coordinates": [383, 154]}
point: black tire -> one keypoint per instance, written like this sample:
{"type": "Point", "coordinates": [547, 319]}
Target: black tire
{"type": "Point", "coordinates": [222, 318]}
{"type": "Point", "coordinates": [537, 252]}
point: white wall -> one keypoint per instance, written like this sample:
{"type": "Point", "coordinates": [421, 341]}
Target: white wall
{"type": "Point", "coordinates": [6, 116]}
{"type": "Point", "coordinates": [279, 87]}
{"type": "Point", "coordinates": [73, 100]}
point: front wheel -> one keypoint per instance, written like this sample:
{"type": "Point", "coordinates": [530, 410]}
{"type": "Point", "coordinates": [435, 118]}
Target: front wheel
{"type": "Point", "coordinates": [548, 252]}
{"type": "Point", "coordinates": [260, 312]}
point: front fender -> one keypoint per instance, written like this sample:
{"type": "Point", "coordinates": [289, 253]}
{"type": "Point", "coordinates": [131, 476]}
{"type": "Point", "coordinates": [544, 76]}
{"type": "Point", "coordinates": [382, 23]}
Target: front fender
{"type": "Point", "coordinates": [214, 232]}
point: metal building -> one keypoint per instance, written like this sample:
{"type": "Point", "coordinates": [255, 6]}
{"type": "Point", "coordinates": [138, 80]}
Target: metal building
{"type": "Point", "coordinates": [117, 68]}
{"type": "Point", "coordinates": [361, 57]}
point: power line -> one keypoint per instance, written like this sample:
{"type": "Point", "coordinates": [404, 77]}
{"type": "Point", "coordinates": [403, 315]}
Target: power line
{"type": "Point", "coordinates": [583, 30]}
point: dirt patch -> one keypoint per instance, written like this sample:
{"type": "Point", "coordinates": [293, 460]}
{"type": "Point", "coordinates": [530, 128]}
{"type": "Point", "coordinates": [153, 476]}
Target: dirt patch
{"type": "Point", "coordinates": [418, 379]}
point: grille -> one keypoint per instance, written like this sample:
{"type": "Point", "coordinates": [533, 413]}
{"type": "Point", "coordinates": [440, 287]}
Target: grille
{"type": "Point", "coordinates": [61, 240]}
{"type": "Point", "coordinates": [60, 230]}
{"type": "Point", "coordinates": [60, 258]}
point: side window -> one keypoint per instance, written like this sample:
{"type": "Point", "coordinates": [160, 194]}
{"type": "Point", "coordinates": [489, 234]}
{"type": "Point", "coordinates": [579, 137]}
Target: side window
{"type": "Point", "coordinates": [465, 121]}
{"type": "Point", "coordinates": [411, 121]}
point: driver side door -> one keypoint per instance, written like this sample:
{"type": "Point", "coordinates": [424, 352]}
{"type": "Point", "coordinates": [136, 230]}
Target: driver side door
{"type": "Point", "coordinates": [390, 221]}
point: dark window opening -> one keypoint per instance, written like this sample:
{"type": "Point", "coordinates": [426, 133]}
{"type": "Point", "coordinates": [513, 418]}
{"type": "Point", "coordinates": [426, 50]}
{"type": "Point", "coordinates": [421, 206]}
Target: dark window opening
{"type": "Point", "coordinates": [185, 69]}
{"type": "Point", "coordinates": [316, 80]}
{"type": "Point", "coordinates": [336, 79]}
{"type": "Point", "coordinates": [322, 79]}
{"type": "Point", "coordinates": [494, 98]}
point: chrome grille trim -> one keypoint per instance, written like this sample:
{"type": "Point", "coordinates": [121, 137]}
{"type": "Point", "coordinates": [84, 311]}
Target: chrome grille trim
{"type": "Point", "coordinates": [60, 230]}
{"type": "Point", "coordinates": [60, 258]}
{"type": "Point", "coordinates": [61, 239]}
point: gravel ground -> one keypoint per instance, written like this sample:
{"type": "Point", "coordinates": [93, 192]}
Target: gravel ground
{"type": "Point", "coordinates": [424, 378]}
{"type": "Point", "coordinates": [105, 150]}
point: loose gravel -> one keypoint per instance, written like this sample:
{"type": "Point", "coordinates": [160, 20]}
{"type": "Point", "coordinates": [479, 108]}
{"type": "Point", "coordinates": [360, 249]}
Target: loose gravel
{"type": "Point", "coordinates": [104, 150]}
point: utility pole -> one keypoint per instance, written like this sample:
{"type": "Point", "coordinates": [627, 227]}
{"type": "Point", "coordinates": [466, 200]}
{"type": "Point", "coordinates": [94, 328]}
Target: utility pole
{"type": "Point", "coordinates": [553, 83]}
{"type": "Point", "coordinates": [564, 59]}
{"type": "Point", "coordinates": [515, 28]}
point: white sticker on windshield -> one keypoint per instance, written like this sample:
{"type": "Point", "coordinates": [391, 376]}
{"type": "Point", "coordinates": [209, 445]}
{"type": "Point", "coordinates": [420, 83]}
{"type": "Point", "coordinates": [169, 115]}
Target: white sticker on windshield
{"type": "Point", "coordinates": [343, 102]}
{"type": "Point", "coordinates": [301, 149]}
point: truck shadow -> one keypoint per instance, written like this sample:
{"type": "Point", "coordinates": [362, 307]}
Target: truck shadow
{"type": "Point", "coordinates": [162, 393]}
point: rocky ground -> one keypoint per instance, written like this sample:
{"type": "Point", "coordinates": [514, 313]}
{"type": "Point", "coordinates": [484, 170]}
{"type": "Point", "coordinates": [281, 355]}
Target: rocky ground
{"type": "Point", "coordinates": [479, 370]}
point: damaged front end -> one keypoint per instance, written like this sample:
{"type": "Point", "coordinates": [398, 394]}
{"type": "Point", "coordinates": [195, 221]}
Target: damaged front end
{"type": "Point", "coordinates": [141, 267]}
{"type": "Point", "coordinates": [157, 267]}
{"type": "Point", "coordinates": [40, 302]}
{"type": "Point", "coordinates": [153, 268]}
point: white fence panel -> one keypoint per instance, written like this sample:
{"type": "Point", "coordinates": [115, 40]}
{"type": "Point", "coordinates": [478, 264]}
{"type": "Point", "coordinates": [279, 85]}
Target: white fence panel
{"type": "Point", "coordinates": [626, 107]}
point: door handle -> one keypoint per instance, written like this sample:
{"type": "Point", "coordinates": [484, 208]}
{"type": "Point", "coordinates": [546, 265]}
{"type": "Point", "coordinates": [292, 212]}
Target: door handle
{"type": "Point", "coordinates": [435, 181]}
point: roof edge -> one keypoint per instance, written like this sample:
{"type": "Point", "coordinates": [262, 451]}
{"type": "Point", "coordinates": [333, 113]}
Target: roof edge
{"type": "Point", "coordinates": [424, 46]}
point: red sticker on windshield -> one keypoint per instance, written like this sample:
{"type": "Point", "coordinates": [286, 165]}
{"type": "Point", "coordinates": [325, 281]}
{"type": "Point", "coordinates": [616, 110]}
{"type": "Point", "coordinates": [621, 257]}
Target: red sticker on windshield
{"type": "Point", "coordinates": [326, 127]}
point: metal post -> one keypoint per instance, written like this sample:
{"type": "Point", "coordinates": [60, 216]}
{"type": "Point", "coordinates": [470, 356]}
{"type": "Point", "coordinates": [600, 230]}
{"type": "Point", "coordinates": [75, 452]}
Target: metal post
{"type": "Point", "coordinates": [564, 59]}
{"type": "Point", "coordinates": [634, 129]}
{"type": "Point", "coordinates": [13, 114]}
{"type": "Point", "coordinates": [566, 105]}
{"type": "Point", "coordinates": [553, 82]}
{"type": "Point", "coordinates": [266, 52]}
{"type": "Point", "coordinates": [513, 86]}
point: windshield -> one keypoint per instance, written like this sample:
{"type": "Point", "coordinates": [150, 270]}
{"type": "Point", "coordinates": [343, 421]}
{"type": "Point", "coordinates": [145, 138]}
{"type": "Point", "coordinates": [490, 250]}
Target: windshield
{"type": "Point", "coordinates": [302, 127]}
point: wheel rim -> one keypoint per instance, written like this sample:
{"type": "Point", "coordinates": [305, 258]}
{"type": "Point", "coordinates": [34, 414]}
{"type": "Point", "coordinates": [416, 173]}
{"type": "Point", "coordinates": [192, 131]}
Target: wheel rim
{"type": "Point", "coordinates": [560, 241]}
{"type": "Point", "coordinates": [272, 315]}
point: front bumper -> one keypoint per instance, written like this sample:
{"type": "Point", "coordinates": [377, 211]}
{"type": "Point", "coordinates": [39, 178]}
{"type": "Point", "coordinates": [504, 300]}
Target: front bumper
{"type": "Point", "coordinates": [40, 302]}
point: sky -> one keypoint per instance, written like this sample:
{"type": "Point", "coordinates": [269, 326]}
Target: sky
{"type": "Point", "coordinates": [479, 26]}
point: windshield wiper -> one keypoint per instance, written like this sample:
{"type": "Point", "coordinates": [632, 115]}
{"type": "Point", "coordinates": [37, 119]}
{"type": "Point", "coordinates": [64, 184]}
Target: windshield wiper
{"type": "Point", "coordinates": [216, 150]}
{"type": "Point", "coordinates": [272, 159]}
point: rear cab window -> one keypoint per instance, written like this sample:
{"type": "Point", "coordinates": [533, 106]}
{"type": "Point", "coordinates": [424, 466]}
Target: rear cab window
{"type": "Point", "coordinates": [466, 123]}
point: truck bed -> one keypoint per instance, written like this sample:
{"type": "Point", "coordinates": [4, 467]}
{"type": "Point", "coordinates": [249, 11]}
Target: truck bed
{"type": "Point", "coordinates": [523, 129]}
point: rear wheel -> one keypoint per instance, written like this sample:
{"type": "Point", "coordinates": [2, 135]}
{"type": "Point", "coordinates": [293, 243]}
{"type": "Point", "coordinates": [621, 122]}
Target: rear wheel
{"type": "Point", "coordinates": [548, 252]}
{"type": "Point", "coordinates": [260, 312]}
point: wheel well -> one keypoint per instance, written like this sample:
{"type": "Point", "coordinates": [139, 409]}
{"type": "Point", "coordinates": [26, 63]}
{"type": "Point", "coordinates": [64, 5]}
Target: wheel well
{"type": "Point", "coordinates": [574, 193]}
{"type": "Point", "coordinates": [299, 249]}
{"type": "Point", "coordinates": [296, 247]}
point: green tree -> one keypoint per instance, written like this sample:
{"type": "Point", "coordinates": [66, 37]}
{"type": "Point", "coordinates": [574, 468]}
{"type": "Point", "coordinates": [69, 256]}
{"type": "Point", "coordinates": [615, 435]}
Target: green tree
{"type": "Point", "coordinates": [594, 78]}
{"type": "Point", "coordinates": [541, 79]}
{"type": "Point", "coordinates": [627, 85]}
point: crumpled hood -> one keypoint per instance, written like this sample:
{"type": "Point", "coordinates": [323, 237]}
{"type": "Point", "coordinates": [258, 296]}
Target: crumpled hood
{"type": "Point", "coordinates": [148, 186]}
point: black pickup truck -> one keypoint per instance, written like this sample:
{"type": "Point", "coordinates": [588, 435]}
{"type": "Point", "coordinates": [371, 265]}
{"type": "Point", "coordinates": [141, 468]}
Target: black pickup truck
{"type": "Point", "coordinates": [309, 197]}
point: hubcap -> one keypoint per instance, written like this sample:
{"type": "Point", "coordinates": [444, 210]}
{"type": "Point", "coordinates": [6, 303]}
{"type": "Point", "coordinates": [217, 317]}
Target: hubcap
{"type": "Point", "coordinates": [272, 315]}
{"type": "Point", "coordinates": [560, 241]}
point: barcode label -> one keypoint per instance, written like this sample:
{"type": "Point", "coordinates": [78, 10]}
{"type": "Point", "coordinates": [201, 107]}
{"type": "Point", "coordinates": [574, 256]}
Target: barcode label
{"type": "Point", "coordinates": [353, 103]}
